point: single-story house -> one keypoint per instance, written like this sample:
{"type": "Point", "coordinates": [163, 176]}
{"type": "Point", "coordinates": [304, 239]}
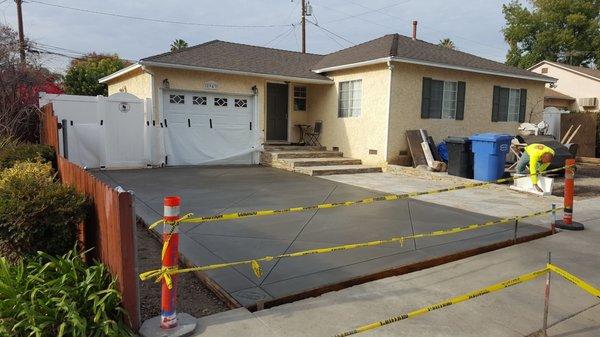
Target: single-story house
{"type": "Point", "coordinates": [366, 96]}
{"type": "Point", "coordinates": [579, 85]}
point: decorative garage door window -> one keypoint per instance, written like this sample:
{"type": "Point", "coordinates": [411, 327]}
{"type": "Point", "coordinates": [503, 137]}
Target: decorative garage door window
{"type": "Point", "coordinates": [177, 99]}
{"type": "Point", "coordinates": [241, 103]}
{"type": "Point", "coordinates": [199, 100]}
{"type": "Point", "coordinates": [220, 101]}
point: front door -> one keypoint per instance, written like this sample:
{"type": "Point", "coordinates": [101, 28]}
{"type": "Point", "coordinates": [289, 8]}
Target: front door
{"type": "Point", "coordinates": [277, 111]}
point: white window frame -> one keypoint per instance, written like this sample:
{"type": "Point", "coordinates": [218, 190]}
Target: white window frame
{"type": "Point", "coordinates": [299, 97]}
{"type": "Point", "coordinates": [449, 110]}
{"type": "Point", "coordinates": [353, 100]}
{"type": "Point", "coordinates": [514, 105]}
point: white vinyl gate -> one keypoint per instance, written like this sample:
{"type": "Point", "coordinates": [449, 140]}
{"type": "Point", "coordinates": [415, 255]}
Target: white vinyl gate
{"type": "Point", "coordinates": [106, 132]}
{"type": "Point", "coordinates": [208, 128]}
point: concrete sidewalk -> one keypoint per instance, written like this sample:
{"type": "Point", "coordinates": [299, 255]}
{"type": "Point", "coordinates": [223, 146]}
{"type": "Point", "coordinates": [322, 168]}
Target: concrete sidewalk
{"type": "Point", "coordinates": [516, 311]}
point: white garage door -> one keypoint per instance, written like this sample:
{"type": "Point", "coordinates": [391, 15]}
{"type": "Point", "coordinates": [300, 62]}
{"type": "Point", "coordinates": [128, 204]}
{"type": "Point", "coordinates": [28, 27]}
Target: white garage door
{"type": "Point", "coordinates": [208, 128]}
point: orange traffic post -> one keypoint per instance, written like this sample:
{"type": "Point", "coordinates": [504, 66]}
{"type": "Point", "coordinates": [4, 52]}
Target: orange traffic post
{"type": "Point", "coordinates": [170, 260]}
{"type": "Point", "coordinates": [567, 221]}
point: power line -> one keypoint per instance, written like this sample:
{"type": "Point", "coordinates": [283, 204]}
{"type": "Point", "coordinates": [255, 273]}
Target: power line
{"type": "Point", "coordinates": [284, 36]}
{"type": "Point", "coordinates": [278, 36]}
{"type": "Point", "coordinates": [331, 38]}
{"type": "Point", "coordinates": [426, 27]}
{"type": "Point", "coordinates": [153, 19]}
{"type": "Point", "coordinates": [332, 33]}
{"type": "Point", "coordinates": [370, 10]}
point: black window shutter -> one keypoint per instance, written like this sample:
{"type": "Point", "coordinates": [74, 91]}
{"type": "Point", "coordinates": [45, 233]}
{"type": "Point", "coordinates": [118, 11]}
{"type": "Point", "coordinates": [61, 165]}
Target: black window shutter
{"type": "Point", "coordinates": [496, 103]}
{"type": "Point", "coordinates": [523, 106]}
{"type": "Point", "coordinates": [460, 101]}
{"type": "Point", "coordinates": [426, 97]}
{"type": "Point", "coordinates": [503, 106]}
{"type": "Point", "coordinates": [437, 97]}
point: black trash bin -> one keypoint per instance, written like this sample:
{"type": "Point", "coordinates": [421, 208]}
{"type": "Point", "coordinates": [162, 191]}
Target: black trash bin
{"type": "Point", "coordinates": [460, 157]}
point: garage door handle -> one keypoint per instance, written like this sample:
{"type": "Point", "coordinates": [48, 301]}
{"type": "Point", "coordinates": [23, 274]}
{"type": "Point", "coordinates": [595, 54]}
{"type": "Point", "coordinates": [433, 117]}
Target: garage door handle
{"type": "Point", "coordinates": [165, 122]}
{"type": "Point", "coordinates": [250, 126]}
{"type": "Point", "coordinates": [189, 123]}
{"type": "Point", "coordinates": [210, 121]}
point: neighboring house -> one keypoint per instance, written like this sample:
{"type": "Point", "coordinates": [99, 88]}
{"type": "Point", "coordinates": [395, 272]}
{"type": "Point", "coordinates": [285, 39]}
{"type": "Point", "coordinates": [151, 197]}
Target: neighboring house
{"type": "Point", "coordinates": [553, 98]}
{"type": "Point", "coordinates": [579, 83]}
{"type": "Point", "coordinates": [367, 96]}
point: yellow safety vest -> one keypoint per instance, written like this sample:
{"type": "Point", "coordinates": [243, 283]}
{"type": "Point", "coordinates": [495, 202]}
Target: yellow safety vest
{"type": "Point", "coordinates": [535, 152]}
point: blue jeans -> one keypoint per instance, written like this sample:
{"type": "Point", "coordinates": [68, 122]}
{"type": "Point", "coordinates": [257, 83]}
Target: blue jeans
{"type": "Point", "coordinates": [522, 164]}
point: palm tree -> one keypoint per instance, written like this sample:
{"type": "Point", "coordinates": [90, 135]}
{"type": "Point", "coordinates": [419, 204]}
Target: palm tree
{"type": "Point", "coordinates": [447, 43]}
{"type": "Point", "coordinates": [178, 44]}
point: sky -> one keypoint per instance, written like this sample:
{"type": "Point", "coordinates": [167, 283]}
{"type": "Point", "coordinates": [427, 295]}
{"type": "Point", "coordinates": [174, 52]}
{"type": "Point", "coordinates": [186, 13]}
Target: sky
{"type": "Point", "coordinates": [474, 26]}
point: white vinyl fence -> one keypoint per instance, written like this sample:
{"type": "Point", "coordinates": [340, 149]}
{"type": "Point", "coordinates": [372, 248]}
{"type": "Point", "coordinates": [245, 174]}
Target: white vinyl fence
{"type": "Point", "coordinates": [107, 132]}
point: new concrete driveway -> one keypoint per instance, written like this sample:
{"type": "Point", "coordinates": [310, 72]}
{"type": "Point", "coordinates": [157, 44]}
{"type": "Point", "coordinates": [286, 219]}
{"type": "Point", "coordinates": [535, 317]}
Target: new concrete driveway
{"type": "Point", "coordinates": [214, 190]}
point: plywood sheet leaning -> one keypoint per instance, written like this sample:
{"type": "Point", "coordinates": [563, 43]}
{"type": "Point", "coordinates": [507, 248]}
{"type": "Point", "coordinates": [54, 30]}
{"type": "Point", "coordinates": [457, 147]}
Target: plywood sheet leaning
{"type": "Point", "coordinates": [586, 136]}
{"type": "Point", "coordinates": [413, 137]}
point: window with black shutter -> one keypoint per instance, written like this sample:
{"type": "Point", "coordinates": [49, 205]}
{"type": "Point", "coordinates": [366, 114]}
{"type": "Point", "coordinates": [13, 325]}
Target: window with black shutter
{"type": "Point", "coordinates": [509, 104]}
{"type": "Point", "coordinates": [443, 99]}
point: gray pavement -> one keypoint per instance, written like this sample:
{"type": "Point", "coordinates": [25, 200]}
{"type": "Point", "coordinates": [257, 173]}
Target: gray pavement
{"type": "Point", "coordinates": [515, 311]}
{"type": "Point", "coordinates": [213, 190]}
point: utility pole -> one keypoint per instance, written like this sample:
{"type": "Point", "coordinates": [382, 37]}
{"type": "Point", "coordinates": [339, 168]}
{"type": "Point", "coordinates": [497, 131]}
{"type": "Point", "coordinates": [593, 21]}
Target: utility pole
{"type": "Point", "coordinates": [303, 26]}
{"type": "Point", "coordinates": [21, 34]}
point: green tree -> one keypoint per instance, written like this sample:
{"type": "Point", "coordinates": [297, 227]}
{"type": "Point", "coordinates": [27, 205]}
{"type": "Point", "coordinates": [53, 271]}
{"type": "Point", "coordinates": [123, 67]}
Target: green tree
{"type": "Point", "coordinates": [566, 31]}
{"type": "Point", "coordinates": [83, 74]}
{"type": "Point", "coordinates": [178, 44]}
{"type": "Point", "coordinates": [447, 43]}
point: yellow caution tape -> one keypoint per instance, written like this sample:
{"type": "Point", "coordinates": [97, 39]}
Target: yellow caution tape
{"type": "Point", "coordinates": [449, 302]}
{"type": "Point", "coordinates": [390, 197]}
{"type": "Point", "coordinates": [575, 280]}
{"type": "Point", "coordinates": [159, 273]}
{"type": "Point", "coordinates": [477, 293]}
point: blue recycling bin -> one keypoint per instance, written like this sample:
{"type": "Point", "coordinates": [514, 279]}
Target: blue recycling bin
{"type": "Point", "coordinates": [489, 158]}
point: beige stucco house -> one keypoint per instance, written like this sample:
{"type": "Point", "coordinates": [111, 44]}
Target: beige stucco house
{"type": "Point", "coordinates": [576, 88]}
{"type": "Point", "coordinates": [366, 96]}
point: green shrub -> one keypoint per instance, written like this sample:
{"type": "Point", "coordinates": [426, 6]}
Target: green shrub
{"type": "Point", "coordinates": [59, 296]}
{"type": "Point", "coordinates": [11, 154]}
{"type": "Point", "coordinates": [37, 213]}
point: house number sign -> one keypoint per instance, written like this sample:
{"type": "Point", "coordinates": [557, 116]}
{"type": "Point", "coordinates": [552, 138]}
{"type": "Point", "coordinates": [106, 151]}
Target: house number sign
{"type": "Point", "coordinates": [211, 85]}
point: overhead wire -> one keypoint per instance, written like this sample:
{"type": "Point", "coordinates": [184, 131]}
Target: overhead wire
{"type": "Point", "coordinates": [425, 27]}
{"type": "Point", "coordinates": [177, 22]}
{"type": "Point", "coordinates": [328, 33]}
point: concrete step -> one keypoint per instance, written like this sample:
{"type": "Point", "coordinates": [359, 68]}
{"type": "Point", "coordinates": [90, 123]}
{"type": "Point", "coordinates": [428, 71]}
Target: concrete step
{"type": "Point", "coordinates": [302, 162]}
{"type": "Point", "coordinates": [293, 148]}
{"type": "Point", "coordinates": [337, 169]}
{"type": "Point", "coordinates": [304, 154]}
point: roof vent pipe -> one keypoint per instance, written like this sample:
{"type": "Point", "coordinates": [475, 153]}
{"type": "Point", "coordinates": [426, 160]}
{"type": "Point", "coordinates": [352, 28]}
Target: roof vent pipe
{"type": "Point", "coordinates": [414, 34]}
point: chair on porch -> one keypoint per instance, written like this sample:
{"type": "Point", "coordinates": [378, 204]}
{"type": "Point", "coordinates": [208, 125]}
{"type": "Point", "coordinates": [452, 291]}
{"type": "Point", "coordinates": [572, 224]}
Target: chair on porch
{"type": "Point", "coordinates": [312, 137]}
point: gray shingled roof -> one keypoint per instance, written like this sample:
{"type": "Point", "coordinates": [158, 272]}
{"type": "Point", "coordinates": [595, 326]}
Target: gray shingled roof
{"type": "Point", "coordinates": [268, 61]}
{"type": "Point", "coordinates": [550, 93]}
{"type": "Point", "coordinates": [396, 45]}
{"type": "Point", "coordinates": [244, 58]}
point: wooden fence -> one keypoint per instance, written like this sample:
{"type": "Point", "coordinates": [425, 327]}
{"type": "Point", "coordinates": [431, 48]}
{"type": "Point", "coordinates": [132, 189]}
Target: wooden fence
{"type": "Point", "coordinates": [110, 229]}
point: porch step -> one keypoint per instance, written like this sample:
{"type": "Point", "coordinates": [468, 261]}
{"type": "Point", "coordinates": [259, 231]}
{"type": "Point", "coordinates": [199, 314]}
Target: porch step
{"type": "Point", "coordinates": [337, 169]}
{"type": "Point", "coordinates": [303, 162]}
{"type": "Point", "coordinates": [305, 154]}
{"type": "Point", "coordinates": [268, 147]}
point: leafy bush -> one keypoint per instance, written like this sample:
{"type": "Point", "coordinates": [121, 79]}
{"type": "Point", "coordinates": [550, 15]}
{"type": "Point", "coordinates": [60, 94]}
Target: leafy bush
{"type": "Point", "coordinates": [11, 154]}
{"type": "Point", "coordinates": [59, 296]}
{"type": "Point", "coordinates": [37, 213]}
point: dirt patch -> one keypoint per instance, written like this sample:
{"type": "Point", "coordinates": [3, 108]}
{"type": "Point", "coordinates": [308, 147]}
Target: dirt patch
{"type": "Point", "coordinates": [192, 296]}
{"type": "Point", "coordinates": [587, 182]}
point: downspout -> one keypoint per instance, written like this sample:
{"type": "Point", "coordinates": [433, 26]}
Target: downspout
{"type": "Point", "coordinates": [390, 67]}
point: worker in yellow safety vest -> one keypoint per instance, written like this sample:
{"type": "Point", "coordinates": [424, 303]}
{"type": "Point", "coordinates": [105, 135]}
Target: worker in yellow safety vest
{"type": "Point", "coordinates": [538, 157]}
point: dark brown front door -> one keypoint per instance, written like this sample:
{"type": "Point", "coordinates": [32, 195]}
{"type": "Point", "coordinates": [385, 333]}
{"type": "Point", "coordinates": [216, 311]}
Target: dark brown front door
{"type": "Point", "coordinates": [277, 111]}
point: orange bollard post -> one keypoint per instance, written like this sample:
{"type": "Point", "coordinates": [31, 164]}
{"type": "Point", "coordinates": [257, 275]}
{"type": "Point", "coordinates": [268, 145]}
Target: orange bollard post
{"type": "Point", "coordinates": [170, 259]}
{"type": "Point", "coordinates": [567, 222]}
